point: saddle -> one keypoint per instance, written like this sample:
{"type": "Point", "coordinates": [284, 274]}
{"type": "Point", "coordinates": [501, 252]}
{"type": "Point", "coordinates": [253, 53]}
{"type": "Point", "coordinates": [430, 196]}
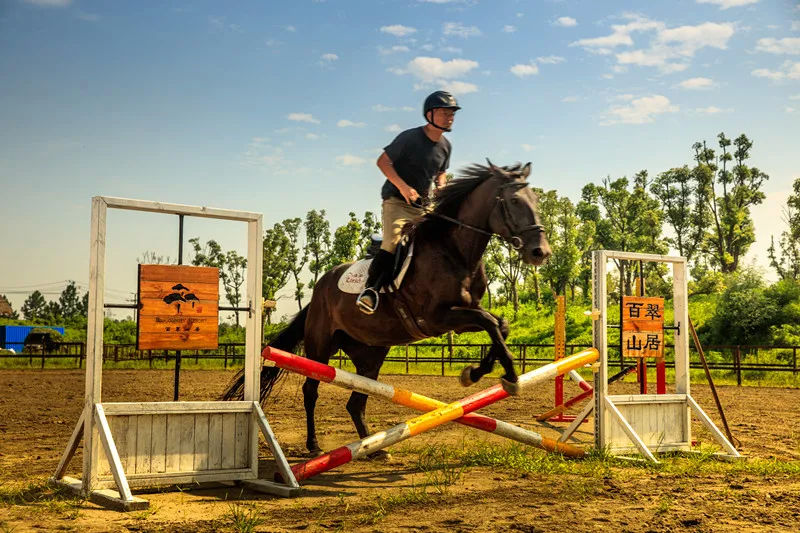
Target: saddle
{"type": "Point", "coordinates": [354, 278]}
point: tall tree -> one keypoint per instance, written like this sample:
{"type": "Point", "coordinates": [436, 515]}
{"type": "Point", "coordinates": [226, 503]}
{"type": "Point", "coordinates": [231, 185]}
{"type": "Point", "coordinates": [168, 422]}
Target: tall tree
{"type": "Point", "coordinates": [684, 209]}
{"type": "Point", "coordinates": [491, 268]}
{"type": "Point", "coordinates": [509, 264]}
{"type": "Point", "coordinates": [561, 224]}
{"type": "Point", "coordinates": [786, 262]}
{"type": "Point", "coordinates": [231, 267]}
{"type": "Point", "coordinates": [728, 193]}
{"type": "Point", "coordinates": [346, 240]}
{"type": "Point", "coordinates": [33, 308]}
{"type": "Point", "coordinates": [275, 267]}
{"type": "Point", "coordinates": [296, 257]}
{"type": "Point", "coordinates": [318, 243]}
{"type": "Point", "coordinates": [69, 302]}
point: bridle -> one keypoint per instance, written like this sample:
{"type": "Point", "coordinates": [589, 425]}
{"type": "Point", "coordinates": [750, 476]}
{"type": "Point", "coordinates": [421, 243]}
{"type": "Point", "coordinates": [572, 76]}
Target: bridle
{"type": "Point", "coordinates": [514, 229]}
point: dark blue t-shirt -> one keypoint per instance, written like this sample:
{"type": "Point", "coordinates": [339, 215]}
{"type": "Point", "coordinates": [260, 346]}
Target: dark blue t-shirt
{"type": "Point", "coordinates": [417, 159]}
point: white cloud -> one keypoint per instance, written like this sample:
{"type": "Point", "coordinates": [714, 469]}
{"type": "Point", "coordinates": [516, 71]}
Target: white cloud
{"type": "Point", "coordinates": [789, 70]}
{"type": "Point", "coordinates": [620, 35]}
{"type": "Point", "coordinates": [432, 68]}
{"type": "Point", "coordinates": [349, 160]}
{"type": "Point", "coordinates": [459, 87]}
{"type": "Point", "coordinates": [788, 45]}
{"type": "Point", "coordinates": [344, 123]}
{"type": "Point", "coordinates": [398, 30]}
{"type": "Point", "coordinates": [528, 147]}
{"type": "Point", "coordinates": [312, 136]}
{"type": "Point", "coordinates": [508, 28]}
{"type": "Point", "coordinates": [459, 30]}
{"type": "Point", "coordinates": [711, 110]}
{"type": "Point", "coordinates": [640, 110]}
{"type": "Point", "coordinates": [569, 99]}
{"type": "Point", "coordinates": [302, 117]}
{"type": "Point", "coordinates": [291, 28]}
{"type": "Point", "coordinates": [380, 108]}
{"type": "Point", "coordinates": [550, 60]}
{"type": "Point", "coordinates": [329, 57]}
{"type": "Point", "coordinates": [452, 49]}
{"type": "Point", "coordinates": [727, 4]}
{"type": "Point", "coordinates": [522, 70]}
{"type": "Point", "coordinates": [566, 22]}
{"type": "Point", "coordinates": [406, 108]}
{"type": "Point", "coordinates": [689, 39]}
{"type": "Point", "coordinates": [393, 128]}
{"type": "Point", "coordinates": [49, 3]}
{"type": "Point", "coordinates": [697, 83]}
{"type": "Point", "coordinates": [393, 50]}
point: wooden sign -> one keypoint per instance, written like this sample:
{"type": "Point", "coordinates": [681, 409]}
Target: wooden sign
{"type": "Point", "coordinates": [642, 327]}
{"type": "Point", "coordinates": [178, 308]}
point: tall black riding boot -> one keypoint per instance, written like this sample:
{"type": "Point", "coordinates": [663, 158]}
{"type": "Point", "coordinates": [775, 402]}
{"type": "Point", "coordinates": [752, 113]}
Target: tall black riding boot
{"type": "Point", "coordinates": [379, 271]}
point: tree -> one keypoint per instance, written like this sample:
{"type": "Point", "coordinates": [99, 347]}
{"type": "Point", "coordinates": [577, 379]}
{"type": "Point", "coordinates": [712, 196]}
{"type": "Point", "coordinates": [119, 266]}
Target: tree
{"type": "Point", "coordinates": [69, 302]}
{"type": "Point", "coordinates": [728, 194]}
{"type": "Point", "coordinates": [491, 268]}
{"type": "Point", "coordinates": [561, 225]}
{"type": "Point", "coordinates": [275, 267]}
{"type": "Point", "coordinates": [509, 264]}
{"type": "Point", "coordinates": [296, 257]}
{"type": "Point", "coordinates": [33, 308]}
{"type": "Point", "coordinates": [787, 262]}
{"type": "Point", "coordinates": [153, 258]}
{"type": "Point", "coordinates": [369, 226]}
{"type": "Point", "coordinates": [318, 243]}
{"type": "Point", "coordinates": [231, 267]}
{"type": "Point", "coordinates": [625, 220]}
{"type": "Point", "coordinates": [346, 241]}
{"type": "Point", "coordinates": [684, 209]}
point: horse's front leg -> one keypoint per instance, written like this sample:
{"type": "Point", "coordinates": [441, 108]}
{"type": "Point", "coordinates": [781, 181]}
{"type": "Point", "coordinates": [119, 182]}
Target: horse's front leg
{"type": "Point", "coordinates": [461, 318]}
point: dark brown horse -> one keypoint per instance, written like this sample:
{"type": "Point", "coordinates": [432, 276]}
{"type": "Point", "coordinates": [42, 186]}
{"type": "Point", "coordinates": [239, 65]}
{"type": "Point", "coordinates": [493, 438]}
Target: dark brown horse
{"type": "Point", "coordinates": [441, 291]}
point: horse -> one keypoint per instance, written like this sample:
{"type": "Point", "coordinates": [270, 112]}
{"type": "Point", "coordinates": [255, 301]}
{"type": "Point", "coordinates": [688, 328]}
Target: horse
{"type": "Point", "coordinates": [441, 290]}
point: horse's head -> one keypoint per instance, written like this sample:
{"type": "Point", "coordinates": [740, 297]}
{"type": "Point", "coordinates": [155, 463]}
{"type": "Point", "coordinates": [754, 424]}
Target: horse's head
{"type": "Point", "coordinates": [514, 217]}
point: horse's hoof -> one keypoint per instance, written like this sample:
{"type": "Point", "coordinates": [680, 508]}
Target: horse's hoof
{"type": "Point", "coordinates": [314, 452]}
{"type": "Point", "coordinates": [512, 388]}
{"type": "Point", "coordinates": [466, 376]}
{"type": "Point", "coordinates": [380, 455]}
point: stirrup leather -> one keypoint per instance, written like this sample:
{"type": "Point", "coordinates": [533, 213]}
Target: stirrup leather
{"type": "Point", "coordinates": [364, 306]}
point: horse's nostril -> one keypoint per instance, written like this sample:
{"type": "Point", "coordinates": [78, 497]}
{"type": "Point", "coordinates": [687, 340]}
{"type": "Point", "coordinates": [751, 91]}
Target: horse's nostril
{"type": "Point", "coordinates": [538, 252]}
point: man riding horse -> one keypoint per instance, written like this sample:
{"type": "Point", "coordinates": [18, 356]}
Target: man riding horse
{"type": "Point", "coordinates": [411, 162]}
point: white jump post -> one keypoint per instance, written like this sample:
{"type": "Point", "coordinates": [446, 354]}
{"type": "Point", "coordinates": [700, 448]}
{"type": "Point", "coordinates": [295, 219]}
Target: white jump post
{"type": "Point", "coordinates": [645, 423]}
{"type": "Point", "coordinates": [166, 443]}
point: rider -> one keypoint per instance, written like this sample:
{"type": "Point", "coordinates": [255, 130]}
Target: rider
{"type": "Point", "coordinates": [414, 159]}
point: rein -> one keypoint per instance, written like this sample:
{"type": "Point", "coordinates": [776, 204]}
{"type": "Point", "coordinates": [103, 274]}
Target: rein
{"type": "Point", "coordinates": [514, 240]}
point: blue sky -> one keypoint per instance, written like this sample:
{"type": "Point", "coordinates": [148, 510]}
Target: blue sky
{"type": "Point", "coordinates": [281, 107]}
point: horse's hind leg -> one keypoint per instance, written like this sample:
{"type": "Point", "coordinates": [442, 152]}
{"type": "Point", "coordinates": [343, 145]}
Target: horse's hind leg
{"type": "Point", "coordinates": [368, 361]}
{"type": "Point", "coordinates": [473, 373]}
{"type": "Point", "coordinates": [319, 350]}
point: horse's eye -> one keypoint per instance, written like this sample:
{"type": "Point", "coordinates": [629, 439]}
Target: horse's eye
{"type": "Point", "coordinates": [515, 200]}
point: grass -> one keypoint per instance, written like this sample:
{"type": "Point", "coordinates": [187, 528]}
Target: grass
{"type": "Point", "coordinates": [243, 518]}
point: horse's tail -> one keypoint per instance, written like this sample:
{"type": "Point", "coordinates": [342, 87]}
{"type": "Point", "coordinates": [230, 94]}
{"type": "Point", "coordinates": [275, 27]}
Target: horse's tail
{"type": "Point", "coordinates": [287, 340]}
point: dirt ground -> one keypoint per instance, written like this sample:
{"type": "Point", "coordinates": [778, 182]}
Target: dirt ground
{"type": "Point", "coordinates": [39, 409]}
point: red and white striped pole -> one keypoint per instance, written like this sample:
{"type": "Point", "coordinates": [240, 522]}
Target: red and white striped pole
{"type": "Point", "coordinates": [430, 420]}
{"type": "Point", "coordinates": [373, 388]}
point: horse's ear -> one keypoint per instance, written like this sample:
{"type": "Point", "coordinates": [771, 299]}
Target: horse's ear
{"type": "Point", "coordinates": [491, 165]}
{"type": "Point", "coordinates": [526, 170]}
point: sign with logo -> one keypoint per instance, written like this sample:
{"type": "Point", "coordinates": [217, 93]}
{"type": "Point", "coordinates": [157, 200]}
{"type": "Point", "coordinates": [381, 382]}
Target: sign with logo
{"type": "Point", "coordinates": [178, 308]}
{"type": "Point", "coordinates": [642, 326]}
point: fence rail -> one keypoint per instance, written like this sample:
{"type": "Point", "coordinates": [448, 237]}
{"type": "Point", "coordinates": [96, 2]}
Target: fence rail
{"type": "Point", "coordinates": [732, 358]}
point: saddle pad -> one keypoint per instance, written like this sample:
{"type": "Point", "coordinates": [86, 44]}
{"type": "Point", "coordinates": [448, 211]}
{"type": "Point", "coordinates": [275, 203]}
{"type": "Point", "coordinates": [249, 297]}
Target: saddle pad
{"type": "Point", "coordinates": [354, 278]}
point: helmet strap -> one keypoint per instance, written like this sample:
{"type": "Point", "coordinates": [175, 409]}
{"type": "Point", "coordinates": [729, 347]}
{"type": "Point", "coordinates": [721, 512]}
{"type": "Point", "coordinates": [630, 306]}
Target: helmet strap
{"type": "Point", "coordinates": [434, 124]}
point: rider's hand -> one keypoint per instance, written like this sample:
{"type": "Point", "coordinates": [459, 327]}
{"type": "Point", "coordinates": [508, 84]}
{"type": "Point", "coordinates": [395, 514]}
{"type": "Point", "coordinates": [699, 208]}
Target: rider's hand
{"type": "Point", "coordinates": [411, 195]}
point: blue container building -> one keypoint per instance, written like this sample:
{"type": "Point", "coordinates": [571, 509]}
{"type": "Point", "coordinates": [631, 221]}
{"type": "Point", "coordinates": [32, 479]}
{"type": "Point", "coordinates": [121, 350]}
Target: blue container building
{"type": "Point", "coordinates": [13, 337]}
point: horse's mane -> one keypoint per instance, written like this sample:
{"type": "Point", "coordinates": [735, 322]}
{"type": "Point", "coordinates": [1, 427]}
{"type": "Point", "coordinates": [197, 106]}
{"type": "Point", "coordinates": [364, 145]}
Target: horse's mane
{"type": "Point", "coordinates": [448, 199]}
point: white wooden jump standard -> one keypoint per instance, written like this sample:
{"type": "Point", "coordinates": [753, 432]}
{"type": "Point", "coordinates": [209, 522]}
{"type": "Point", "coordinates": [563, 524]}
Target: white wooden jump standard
{"type": "Point", "coordinates": [644, 423]}
{"type": "Point", "coordinates": [168, 443]}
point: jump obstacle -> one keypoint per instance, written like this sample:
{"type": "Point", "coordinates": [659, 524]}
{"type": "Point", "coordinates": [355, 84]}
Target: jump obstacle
{"type": "Point", "coordinates": [438, 412]}
{"type": "Point", "coordinates": [167, 443]}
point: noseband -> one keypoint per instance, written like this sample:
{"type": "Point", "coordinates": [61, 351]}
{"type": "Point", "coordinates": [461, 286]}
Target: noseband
{"type": "Point", "coordinates": [514, 230]}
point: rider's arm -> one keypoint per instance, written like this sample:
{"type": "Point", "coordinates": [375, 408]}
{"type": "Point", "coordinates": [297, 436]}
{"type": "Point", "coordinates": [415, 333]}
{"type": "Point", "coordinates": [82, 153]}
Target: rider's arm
{"type": "Point", "coordinates": [386, 166]}
{"type": "Point", "coordinates": [441, 179]}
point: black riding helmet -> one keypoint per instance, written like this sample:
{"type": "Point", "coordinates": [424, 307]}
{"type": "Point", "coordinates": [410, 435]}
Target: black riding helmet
{"type": "Point", "coordinates": [438, 100]}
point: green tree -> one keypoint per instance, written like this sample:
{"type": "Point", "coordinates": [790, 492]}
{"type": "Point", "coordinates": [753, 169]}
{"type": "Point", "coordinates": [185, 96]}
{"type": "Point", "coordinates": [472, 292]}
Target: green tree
{"type": "Point", "coordinates": [52, 313]}
{"type": "Point", "coordinates": [69, 302]}
{"type": "Point", "coordinates": [318, 243]}
{"type": "Point", "coordinates": [296, 257]}
{"type": "Point", "coordinates": [346, 241]}
{"type": "Point", "coordinates": [561, 224]}
{"type": "Point", "coordinates": [684, 209]}
{"type": "Point", "coordinates": [787, 262]}
{"type": "Point", "coordinates": [370, 225]}
{"type": "Point", "coordinates": [728, 193]}
{"type": "Point", "coordinates": [276, 267]}
{"type": "Point", "coordinates": [231, 267]}
{"type": "Point", "coordinates": [744, 312]}
{"type": "Point", "coordinates": [509, 264]}
{"type": "Point", "coordinates": [491, 268]}
{"type": "Point", "coordinates": [33, 308]}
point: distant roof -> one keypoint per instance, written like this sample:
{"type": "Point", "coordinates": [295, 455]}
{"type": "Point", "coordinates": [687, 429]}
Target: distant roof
{"type": "Point", "coordinates": [5, 307]}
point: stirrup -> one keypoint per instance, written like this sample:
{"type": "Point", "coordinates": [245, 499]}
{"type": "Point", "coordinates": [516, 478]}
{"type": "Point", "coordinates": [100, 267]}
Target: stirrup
{"type": "Point", "coordinates": [363, 306]}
